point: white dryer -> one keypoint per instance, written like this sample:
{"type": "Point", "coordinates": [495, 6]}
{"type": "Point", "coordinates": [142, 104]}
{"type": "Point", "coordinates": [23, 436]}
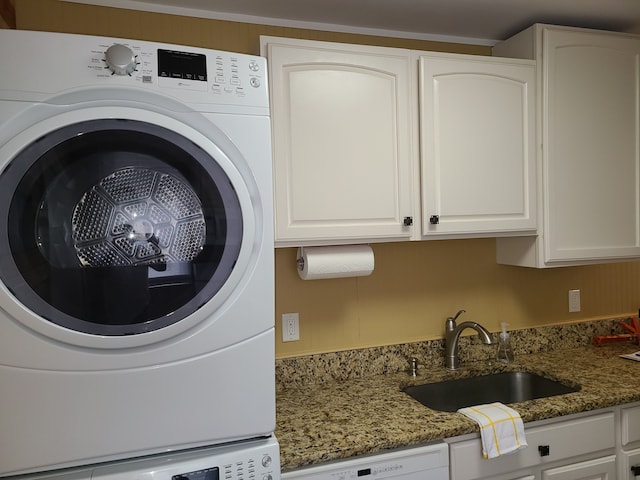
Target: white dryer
{"type": "Point", "coordinates": [136, 250]}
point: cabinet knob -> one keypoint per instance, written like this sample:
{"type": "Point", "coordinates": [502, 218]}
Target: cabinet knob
{"type": "Point", "coordinates": [408, 221]}
{"type": "Point", "coordinates": [434, 219]}
{"type": "Point", "coordinates": [544, 450]}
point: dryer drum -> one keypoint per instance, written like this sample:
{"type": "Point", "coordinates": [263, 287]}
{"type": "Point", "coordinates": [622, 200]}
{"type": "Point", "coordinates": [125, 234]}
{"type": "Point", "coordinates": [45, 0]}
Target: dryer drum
{"type": "Point", "coordinates": [138, 216]}
{"type": "Point", "coordinates": [117, 227]}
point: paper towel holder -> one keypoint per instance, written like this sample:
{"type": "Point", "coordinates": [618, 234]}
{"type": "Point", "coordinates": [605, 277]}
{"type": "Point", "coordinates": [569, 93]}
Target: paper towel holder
{"type": "Point", "coordinates": [300, 260]}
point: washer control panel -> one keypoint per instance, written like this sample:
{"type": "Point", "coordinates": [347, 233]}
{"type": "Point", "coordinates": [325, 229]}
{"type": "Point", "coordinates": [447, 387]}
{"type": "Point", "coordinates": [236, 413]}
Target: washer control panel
{"type": "Point", "coordinates": [249, 468]}
{"type": "Point", "coordinates": [247, 460]}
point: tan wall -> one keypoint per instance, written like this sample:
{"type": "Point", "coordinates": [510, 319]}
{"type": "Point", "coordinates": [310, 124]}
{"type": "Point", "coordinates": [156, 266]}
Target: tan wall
{"type": "Point", "coordinates": [416, 285]}
{"type": "Point", "coordinates": [56, 16]}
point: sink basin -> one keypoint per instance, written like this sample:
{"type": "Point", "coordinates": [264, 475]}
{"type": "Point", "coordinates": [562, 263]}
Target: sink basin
{"type": "Point", "coordinates": [507, 387]}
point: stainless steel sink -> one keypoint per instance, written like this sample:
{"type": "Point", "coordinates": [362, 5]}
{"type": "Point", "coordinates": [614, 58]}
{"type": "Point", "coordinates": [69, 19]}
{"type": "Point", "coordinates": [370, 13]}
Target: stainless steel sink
{"type": "Point", "coordinates": [507, 387]}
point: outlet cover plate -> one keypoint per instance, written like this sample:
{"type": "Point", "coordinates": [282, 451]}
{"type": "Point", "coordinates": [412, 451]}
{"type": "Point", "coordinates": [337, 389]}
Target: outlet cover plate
{"type": "Point", "coordinates": [574, 301]}
{"type": "Point", "coordinates": [290, 327]}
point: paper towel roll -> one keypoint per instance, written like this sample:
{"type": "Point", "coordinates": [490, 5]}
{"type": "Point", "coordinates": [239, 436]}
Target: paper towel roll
{"type": "Point", "coordinates": [315, 263]}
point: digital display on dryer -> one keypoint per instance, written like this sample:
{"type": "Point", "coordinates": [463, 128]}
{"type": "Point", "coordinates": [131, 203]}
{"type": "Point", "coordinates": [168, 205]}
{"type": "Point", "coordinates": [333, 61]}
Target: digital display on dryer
{"type": "Point", "coordinates": [184, 65]}
{"type": "Point", "coordinates": [205, 474]}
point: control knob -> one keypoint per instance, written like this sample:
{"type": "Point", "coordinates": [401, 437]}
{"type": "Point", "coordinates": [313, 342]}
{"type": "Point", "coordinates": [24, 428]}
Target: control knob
{"type": "Point", "coordinates": [120, 59]}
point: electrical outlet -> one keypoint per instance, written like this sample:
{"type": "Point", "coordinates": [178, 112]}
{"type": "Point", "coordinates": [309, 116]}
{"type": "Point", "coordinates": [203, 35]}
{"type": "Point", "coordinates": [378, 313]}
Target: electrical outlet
{"type": "Point", "coordinates": [574, 301]}
{"type": "Point", "coordinates": [290, 327]}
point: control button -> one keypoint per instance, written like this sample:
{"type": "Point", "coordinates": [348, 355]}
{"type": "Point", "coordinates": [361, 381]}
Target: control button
{"type": "Point", "coordinates": [253, 66]}
{"type": "Point", "coordinates": [120, 59]}
{"type": "Point", "coordinates": [255, 82]}
{"type": "Point", "coordinates": [266, 460]}
{"type": "Point", "coordinates": [268, 476]}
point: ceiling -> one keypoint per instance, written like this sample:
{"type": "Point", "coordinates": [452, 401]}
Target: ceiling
{"type": "Point", "coordinates": [461, 21]}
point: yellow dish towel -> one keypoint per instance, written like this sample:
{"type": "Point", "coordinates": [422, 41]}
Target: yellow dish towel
{"type": "Point", "coordinates": [501, 428]}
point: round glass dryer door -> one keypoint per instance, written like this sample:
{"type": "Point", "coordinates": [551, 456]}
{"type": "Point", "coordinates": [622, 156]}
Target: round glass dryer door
{"type": "Point", "coordinates": [117, 227]}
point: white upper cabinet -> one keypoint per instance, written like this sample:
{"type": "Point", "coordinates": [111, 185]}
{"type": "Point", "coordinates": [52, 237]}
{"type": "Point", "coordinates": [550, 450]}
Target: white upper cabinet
{"type": "Point", "coordinates": [588, 89]}
{"type": "Point", "coordinates": [342, 142]}
{"type": "Point", "coordinates": [477, 145]}
{"type": "Point", "coordinates": [383, 144]}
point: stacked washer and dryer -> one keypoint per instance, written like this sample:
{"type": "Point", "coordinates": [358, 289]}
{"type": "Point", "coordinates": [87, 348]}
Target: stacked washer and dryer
{"type": "Point", "coordinates": [136, 261]}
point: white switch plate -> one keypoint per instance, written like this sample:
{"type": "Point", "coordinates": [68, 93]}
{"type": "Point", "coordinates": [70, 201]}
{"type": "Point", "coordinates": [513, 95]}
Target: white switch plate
{"type": "Point", "coordinates": [290, 327]}
{"type": "Point", "coordinates": [574, 300]}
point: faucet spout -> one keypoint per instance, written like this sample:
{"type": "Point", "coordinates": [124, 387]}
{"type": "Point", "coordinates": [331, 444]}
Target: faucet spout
{"type": "Point", "coordinates": [452, 335]}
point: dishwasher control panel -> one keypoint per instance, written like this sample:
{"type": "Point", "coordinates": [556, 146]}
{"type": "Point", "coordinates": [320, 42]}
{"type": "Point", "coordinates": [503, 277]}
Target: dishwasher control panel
{"type": "Point", "coordinates": [377, 470]}
{"type": "Point", "coordinates": [414, 463]}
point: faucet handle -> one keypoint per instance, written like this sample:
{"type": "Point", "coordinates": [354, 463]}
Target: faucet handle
{"type": "Point", "coordinates": [455, 317]}
{"type": "Point", "coordinates": [450, 323]}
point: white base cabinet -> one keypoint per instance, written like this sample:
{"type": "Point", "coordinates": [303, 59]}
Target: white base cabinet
{"type": "Point", "coordinates": [630, 443]}
{"type": "Point", "coordinates": [599, 445]}
{"type": "Point", "coordinates": [589, 140]}
{"type": "Point", "coordinates": [579, 448]}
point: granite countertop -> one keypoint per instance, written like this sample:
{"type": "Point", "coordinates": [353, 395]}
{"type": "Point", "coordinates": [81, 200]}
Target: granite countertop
{"type": "Point", "coordinates": [338, 419]}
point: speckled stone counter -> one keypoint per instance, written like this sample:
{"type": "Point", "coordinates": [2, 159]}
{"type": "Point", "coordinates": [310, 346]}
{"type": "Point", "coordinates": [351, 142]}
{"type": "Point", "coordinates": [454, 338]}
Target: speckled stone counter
{"type": "Point", "coordinates": [335, 418]}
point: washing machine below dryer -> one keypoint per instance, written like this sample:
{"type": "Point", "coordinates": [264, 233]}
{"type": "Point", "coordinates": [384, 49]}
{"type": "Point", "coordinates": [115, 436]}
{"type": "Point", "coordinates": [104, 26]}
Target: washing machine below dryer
{"type": "Point", "coordinates": [136, 250]}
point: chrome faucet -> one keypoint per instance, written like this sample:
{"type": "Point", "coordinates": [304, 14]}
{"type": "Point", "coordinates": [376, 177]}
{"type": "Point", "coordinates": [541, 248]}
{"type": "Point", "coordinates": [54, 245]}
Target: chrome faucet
{"type": "Point", "coordinates": [452, 334]}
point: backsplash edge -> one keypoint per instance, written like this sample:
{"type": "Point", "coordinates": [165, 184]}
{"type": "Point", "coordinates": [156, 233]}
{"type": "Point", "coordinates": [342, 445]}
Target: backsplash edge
{"type": "Point", "coordinates": [360, 363]}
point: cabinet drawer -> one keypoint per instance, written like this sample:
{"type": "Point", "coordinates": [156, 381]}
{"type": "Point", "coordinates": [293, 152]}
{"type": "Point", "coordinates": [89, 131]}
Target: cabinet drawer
{"type": "Point", "coordinates": [627, 460]}
{"type": "Point", "coordinates": [630, 425]}
{"type": "Point", "coordinates": [565, 439]}
{"type": "Point", "coordinates": [598, 469]}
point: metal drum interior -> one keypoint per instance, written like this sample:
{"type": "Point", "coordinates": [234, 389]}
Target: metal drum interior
{"type": "Point", "coordinates": [117, 227]}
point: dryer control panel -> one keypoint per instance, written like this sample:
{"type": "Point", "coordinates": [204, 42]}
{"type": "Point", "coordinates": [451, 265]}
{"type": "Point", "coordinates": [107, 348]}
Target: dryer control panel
{"type": "Point", "coordinates": [221, 73]}
{"type": "Point", "coordinates": [60, 62]}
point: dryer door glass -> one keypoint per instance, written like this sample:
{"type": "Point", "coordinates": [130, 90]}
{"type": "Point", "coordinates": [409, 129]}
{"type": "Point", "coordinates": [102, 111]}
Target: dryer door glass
{"type": "Point", "coordinates": [117, 227]}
